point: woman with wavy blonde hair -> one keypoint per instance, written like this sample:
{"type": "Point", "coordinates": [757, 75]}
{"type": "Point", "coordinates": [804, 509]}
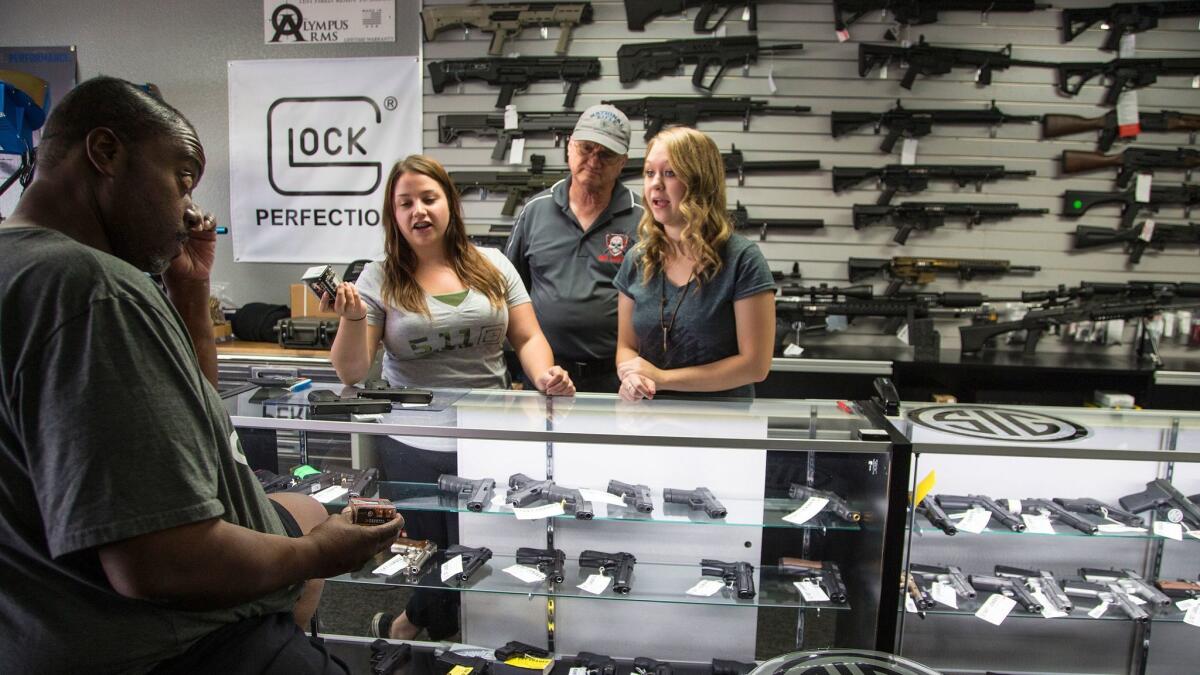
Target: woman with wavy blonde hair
{"type": "Point", "coordinates": [696, 310]}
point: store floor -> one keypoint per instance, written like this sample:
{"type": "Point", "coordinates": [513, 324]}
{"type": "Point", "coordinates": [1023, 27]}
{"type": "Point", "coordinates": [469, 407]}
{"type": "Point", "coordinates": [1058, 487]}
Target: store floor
{"type": "Point", "coordinates": [346, 609]}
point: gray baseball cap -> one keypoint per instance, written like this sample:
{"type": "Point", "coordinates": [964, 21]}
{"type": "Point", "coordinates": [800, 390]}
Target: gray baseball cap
{"type": "Point", "coordinates": [606, 125]}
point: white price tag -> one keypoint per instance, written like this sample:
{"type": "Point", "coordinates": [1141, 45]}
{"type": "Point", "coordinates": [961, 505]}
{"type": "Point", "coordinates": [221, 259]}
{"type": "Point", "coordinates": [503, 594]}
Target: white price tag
{"type": "Point", "coordinates": [330, 493]}
{"type": "Point", "coordinates": [705, 588]}
{"type": "Point", "coordinates": [1192, 617]}
{"type": "Point", "coordinates": [1128, 122]}
{"type": "Point", "coordinates": [1142, 191]}
{"type": "Point", "coordinates": [746, 13]}
{"type": "Point", "coordinates": [1136, 600]}
{"type": "Point", "coordinates": [578, 670]}
{"type": "Point", "coordinates": [545, 32]}
{"type": "Point", "coordinates": [452, 567]}
{"type": "Point", "coordinates": [1014, 505]}
{"type": "Point", "coordinates": [595, 584]}
{"type": "Point", "coordinates": [1128, 46]}
{"type": "Point", "coordinates": [811, 591]}
{"type": "Point", "coordinates": [1168, 530]}
{"type": "Point", "coordinates": [1049, 611]}
{"type": "Point", "coordinates": [975, 521]}
{"type": "Point", "coordinates": [1118, 528]}
{"type": "Point", "coordinates": [511, 117]}
{"type": "Point", "coordinates": [1099, 610]}
{"type": "Point", "coordinates": [538, 512]}
{"type": "Point", "coordinates": [883, 71]}
{"type": "Point", "coordinates": [525, 573]}
{"type": "Point", "coordinates": [1147, 232]}
{"type": "Point", "coordinates": [392, 566]}
{"type": "Point", "coordinates": [908, 151]}
{"type": "Point", "coordinates": [902, 333]}
{"type": "Point", "coordinates": [807, 510]}
{"type": "Point", "coordinates": [1037, 523]}
{"type": "Point", "coordinates": [1185, 605]}
{"type": "Point", "coordinates": [1196, 82]}
{"type": "Point", "coordinates": [516, 153]}
{"type": "Point", "coordinates": [996, 609]}
{"type": "Point", "coordinates": [944, 594]}
{"type": "Point", "coordinates": [598, 497]}
{"type": "Point", "coordinates": [771, 86]}
{"type": "Point", "coordinates": [910, 606]}
{"type": "Point", "coordinates": [1194, 534]}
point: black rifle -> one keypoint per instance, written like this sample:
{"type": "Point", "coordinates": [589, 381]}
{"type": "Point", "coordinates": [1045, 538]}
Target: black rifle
{"type": "Point", "coordinates": [548, 561]}
{"type": "Point", "coordinates": [637, 496]}
{"type": "Point", "coordinates": [1123, 18]}
{"type": "Point", "coordinates": [1099, 508]}
{"type": "Point", "coordinates": [519, 185]}
{"type": "Point", "coordinates": [921, 12]}
{"type": "Point", "coordinates": [1108, 291]}
{"type": "Point", "coordinates": [1057, 512]}
{"type": "Point", "coordinates": [925, 59]}
{"type": "Point", "coordinates": [516, 73]}
{"type": "Point", "coordinates": [736, 165]}
{"type": "Point", "coordinates": [1129, 162]}
{"type": "Point", "coordinates": [836, 504]}
{"type": "Point", "coordinates": [923, 216]}
{"type": "Point", "coordinates": [656, 111]}
{"type": "Point", "coordinates": [596, 664]}
{"type": "Point", "coordinates": [1163, 497]}
{"type": "Point", "coordinates": [1042, 580]}
{"type": "Point", "coordinates": [700, 499]}
{"type": "Point", "coordinates": [742, 221]}
{"type": "Point", "coordinates": [909, 179]}
{"type": "Point", "coordinates": [650, 59]}
{"type": "Point", "coordinates": [478, 492]}
{"type": "Point", "coordinates": [936, 516]}
{"type": "Point", "coordinates": [1122, 74]}
{"type": "Point", "coordinates": [450, 127]}
{"type": "Point", "coordinates": [1130, 582]}
{"type": "Point", "coordinates": [901, 121]}
{"type": "Point", "coordinates": [902, 270]}
{"type": "Point", "coordinates": [639, 12]}
{"type": "Point", "coordinates": [1110, 593]}
{"type": "Point", "coordinates": [506, 20]}
{"type": "Point", "coordinates": [1007, 587]}
{"type": "Point", "coordinates": [950, 575]}
{"type": "Point", "coordinates": [619, 566]}
{"type": "Point", "coordinates": [824, 572]}
{"type": "Point", "coordinates": [644, 665]}
{"type": "Point", "coordinates": [524, 491]}
{"type": "Point", "coordinates": [737, 575]}
{"type": "Point", "coordinates": [473, 559]}
{"type": "Point", "coordinates": [1078, 202]}
{"type": "Point", "coordinates": [1054, 126]}
{"type": "Point", "coordinates": [962, 503]}
{"type": "Point", "coordinates": [387, 658]}
{"type": "Point", "coordinates": [1135, 238]}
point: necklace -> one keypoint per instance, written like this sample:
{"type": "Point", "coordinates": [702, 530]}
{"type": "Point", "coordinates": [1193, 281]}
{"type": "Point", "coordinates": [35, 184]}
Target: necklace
{"type": "Point", "coordinates": [662, 306]}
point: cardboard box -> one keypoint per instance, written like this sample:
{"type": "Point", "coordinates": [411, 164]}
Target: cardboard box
{"type": "Point", "coordinates": [305, 304]}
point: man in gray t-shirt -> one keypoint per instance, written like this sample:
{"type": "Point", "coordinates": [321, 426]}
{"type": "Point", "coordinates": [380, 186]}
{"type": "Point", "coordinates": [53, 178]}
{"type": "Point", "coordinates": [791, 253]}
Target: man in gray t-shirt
{"type": "Point", "coordinates": [568, 243]}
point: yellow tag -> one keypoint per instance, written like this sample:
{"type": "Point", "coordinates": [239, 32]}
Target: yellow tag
{"type": "Point", "coordinates": [531, 662]}
{"type": "Point", "coordinates": [460, 670]}
{"type": "Point", "coordinates": [924, 487]}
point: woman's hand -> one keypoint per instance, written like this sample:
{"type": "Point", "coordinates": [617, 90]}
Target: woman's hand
{"type": "Point", "coordinates": [639, 366]}
{"type": "Point", "coordinates": [555, 382]}
{"type": "Point", "coordinates": [347, 304]}
{"type": "Point", "coordinates": [637, 387]}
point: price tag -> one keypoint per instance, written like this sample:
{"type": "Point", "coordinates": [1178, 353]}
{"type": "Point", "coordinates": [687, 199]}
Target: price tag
{"type": "Point", "coordinates": [1194, 534]}
{"type": "Point", "coordinates": [805, 513]}
{"type": "Point", "coordinates": [1136, 600]}
{"type": "Point", "coordinates": [387, 569]}
{"type": "Point", "coordinates": [538, 512]}
{"type": "Point", "coordinates": [705, 588]}
{"type": "Point", "coordinates": [1142, 191]}
{"type": "Point", "coordinates": [1128, 46]}
{"type": "Point", "coordinates": [1049, 611]}
{"type": "Point", "coordinates": [1168, 530]}
{"type": "Point", "coordinates": [545, 32]}
{"type": "Point", "coordinates": [883, 71]}
{"type": "Point", "coordinates": [1185, 605]}
{"type": "Point", "coordinates": [1014, 505]}
{"type": "Point", "coordinates": [944, 594]}
{"type": "Point", "coordinates": [975, 521]}
{"type": "Point", "coordinates": [996, 609]}
{"type": "Point", "coordinates": [452, 567]}
{"type": "Point", "coordinates": [511, 117]}
{"type": "Point", "coordinates": [1128, 124]}
{"type": "Point", "coordinates": [578, 670]}
{"type": "Point", "coordinates": [1038, 523]}
{"type": "Point", "coordinates": [720, 31]}
{"type": "Point", "coordinates": [1099, 610]}
{"type": "Point", "coordinates": [842, 35]}
{"type": "Point", "coordinates": [908, 151]}
{"type": "Point", "coordinates": [595, 584]}
{"type": "Point", "coordinates": [902, 333]}
{"type": "Point", "coordinates": [1196, 82]}
{"type": "Point", "coordinates": [1192, 617]}
{"type": "Point", "coordinates": [525, 573]}
{"type": "Point", "coordinates": [811, 591]}
{"type": "Point", "coordinates": [330, 493]}
{"type": "Point", "coordinates": [771, 86]}
{"type": "Point", "coordinates": [1118, 528]}
{"type": "Point", "coordinates": [516, 153]}
{"type": "Point", "coordinates": [746, 12]}
{"type": "Point", "coordinates": [461, 670]}
{"type": "Point", "coordinates": [1147, 233]}
{"type": "Point", "coordinates": [596, 496]}
{"type": "Point", "coordinates": [909, 605]}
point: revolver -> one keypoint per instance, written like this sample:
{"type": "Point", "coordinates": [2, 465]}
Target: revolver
{"type": "Point", "coordinates": [700, 499]}
{"type": "Point", "coordinates": [836, 503]}
{"type": "Point", "coordinates": [549, 561]}
{"type": "Point", "coordinates": [478, 492]}
{"type": "Point", "coordinates": [637, 496]}
{"type": "Point", "coordinates": [738, 575]}
{"type": "Point", "coordinates": [619, 566]}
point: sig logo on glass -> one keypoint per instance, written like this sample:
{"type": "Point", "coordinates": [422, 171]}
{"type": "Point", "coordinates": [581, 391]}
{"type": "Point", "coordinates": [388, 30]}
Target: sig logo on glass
{"type": "Point", "coordinates": [321, 146]}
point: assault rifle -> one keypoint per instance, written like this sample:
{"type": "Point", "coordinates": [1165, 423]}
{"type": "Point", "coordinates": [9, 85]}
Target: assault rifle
{"type": "Point", "coordinates": [1054, 126]}
{"type": "Point", "coordinates": [736, 575]}
{"type": "Point", "coordinates": [1109, 291]}
{"type": "Point", "coordinates": [825, 572]}
{"type": "Point", "coordinates": [1137, 238]}
{"type": "Point", "coordinates": [1123, 18]}
{"type": "Point", "coordinates": [735, 164]}
{"type": "Point", "coordinates": [450, 127]}
{"type": "Point", "coordinates": [1078, 202]}
{"type": "Point", "coordinates": [901, 121]}
{"type": "Point", "coordinates": [925, 59]}
{"type": "Point", "coordinates": [1123, 74]}
{"type": "Point", "coordinates": [650, 59]}
{"type": "Point", "coordinates": [1130, 162]}
{"type": "Point", "coordinates": [911, 216]}
{"type": "Point", "coordinates": [519, 185]}
{"type": "Point", "coordinates": [506, 21]}
{"type": "Point", "coordinates": [903, 270]}
{"type": "Point", "coordinates": [639, 12]}
{"type": "Point", "coordinates": [619, 566]}
{"type": "Point", "coordinates": [656, 111]}
{"type": "Point", "coordinates": [742, 221]}
{"type": "Point", "coordinates": [516, 73]}
{"type": "Point", "coordinates": [921, 12]}
{"type": "Point", "coordinates": [1042, 580]}
{"type": "Point", "coordinates": [909, 179]}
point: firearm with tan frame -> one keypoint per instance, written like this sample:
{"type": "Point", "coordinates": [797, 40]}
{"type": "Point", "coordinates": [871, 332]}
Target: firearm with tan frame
{"type": "Point", "coordinates": [508, 20]}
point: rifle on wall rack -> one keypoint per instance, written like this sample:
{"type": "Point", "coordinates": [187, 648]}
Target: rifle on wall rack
{"type": "Point", "coordinates": [1130, 161]}
{"type": "Point", "coordinates": [1054, 125]}
{"type": "Point", "coordinates": [506, 21]}
{"type": "Point", "coordinates": [1123, 18]}
{"type": "Point", "coordinates": [922, 12]}
{"type": "Point", "coordinates": [648, 60]}
{"type": "Point", "coordinates": [901, 121]}
{"type": "Point", "coordinates": [926, 59]}
{"type": "Point", "coordinates": [915, 178]}
{"type": "Point", "coordinates": [736, 165]}
{"type": "Point", "coordinates": [514, 73]}
{"type": "Point", "coordinates": [657, 111]}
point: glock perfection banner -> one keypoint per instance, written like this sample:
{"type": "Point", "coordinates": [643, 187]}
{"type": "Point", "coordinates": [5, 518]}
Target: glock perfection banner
{"type": "Point", "coordinates": [310, 144]}
{"type": "Point", "coordinates": [322, 22]}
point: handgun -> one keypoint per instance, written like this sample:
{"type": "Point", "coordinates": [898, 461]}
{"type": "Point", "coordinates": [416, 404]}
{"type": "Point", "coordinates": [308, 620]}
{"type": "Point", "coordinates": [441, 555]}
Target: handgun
{"type": "Point", "coordinates": [619, 566]}
{"type": "Point", "coordinates": [643, 665]}
{"type": "Point", "coordinates": [1129, 581]}
{"type": "Point", "coordinates": [825, 572]}
{"type": "Point", "coordinates": [1062, 514]}
{"type": "Point", "coordinates": [1161, 495]}
{"type": "Point", "coordinates": [524, 490]}
{"type": "Point", "coordinates": [388, 658]}
{"type": "Point", "coordinates": [1007, 587]}
{"type": "Point", "coordinates": [700, 499]}
{"type": "Point", "coordinates": [950, 575]}
{"type": "Point", "coordinates": [416, 552]}
{"type": "Point", "coordinates": [477, 491]}
{"type": "Point", "coordinates": [934, 513]}
{"type": "Point", "coordinates": [637, 496]}
{"type": "Point", "coordinates": [473, 559]}
{"type": "Point", "coordinates": [920, 596]}
{"type": "Point", "coordinates": [1110, 593]}
{"type": "Point", "coordinates": [836, 503]}
{"type": "Point", "coordinates": [596, 664]}
{"type": "Point", "coordinates": [1043, 580]}
{"type": "Point", "coordinates": [548, 561]}
{"type": "Point", "coordinates": [1099, 508]}
{"type": "Point", "coordinates": [1006, 517]}
{"type": "Point", "coordinates": [737, 575]}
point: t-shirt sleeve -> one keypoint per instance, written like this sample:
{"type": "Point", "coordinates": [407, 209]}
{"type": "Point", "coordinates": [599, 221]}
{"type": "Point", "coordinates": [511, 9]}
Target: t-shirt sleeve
{"type": "Point", "coordinates": [370, 288]}
{"type": "Point", "coordinates": [517, 245]}
{"type": "Point", "coordinates": [627, 275]}
{"type": "Point", "coordinates": [114, 414]}
{"type": "Point", "coordinates": [752, 273]}
{"type": "Point", "coordinates": [514, 288]}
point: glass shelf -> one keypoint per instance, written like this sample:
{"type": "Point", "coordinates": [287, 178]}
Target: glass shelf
{"type": "Point", "coordinates": [650, 582]}
{"type": "Point", "coordinates": [968, 607]}
{"type": "Point", "coordinates": [741, 512]}
{"type": "Point", "coordinates": [1060, 530]}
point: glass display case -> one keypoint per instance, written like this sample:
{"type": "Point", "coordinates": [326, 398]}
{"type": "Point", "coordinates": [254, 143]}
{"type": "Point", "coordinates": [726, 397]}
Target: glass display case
{"type": "Point", "coordinates": [748, 454]}
{"type": "Point", "coordinates": [1090, 502]}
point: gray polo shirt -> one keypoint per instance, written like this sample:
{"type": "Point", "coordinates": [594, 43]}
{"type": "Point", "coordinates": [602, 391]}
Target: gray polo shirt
{"type": "Point", "coordinates": [569, 272]}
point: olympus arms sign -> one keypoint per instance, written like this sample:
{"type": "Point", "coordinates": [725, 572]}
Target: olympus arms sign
{"type": "Point", "coordinates": [998, 424]}
{"type": "Point", "coordinates": [315, 146]}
